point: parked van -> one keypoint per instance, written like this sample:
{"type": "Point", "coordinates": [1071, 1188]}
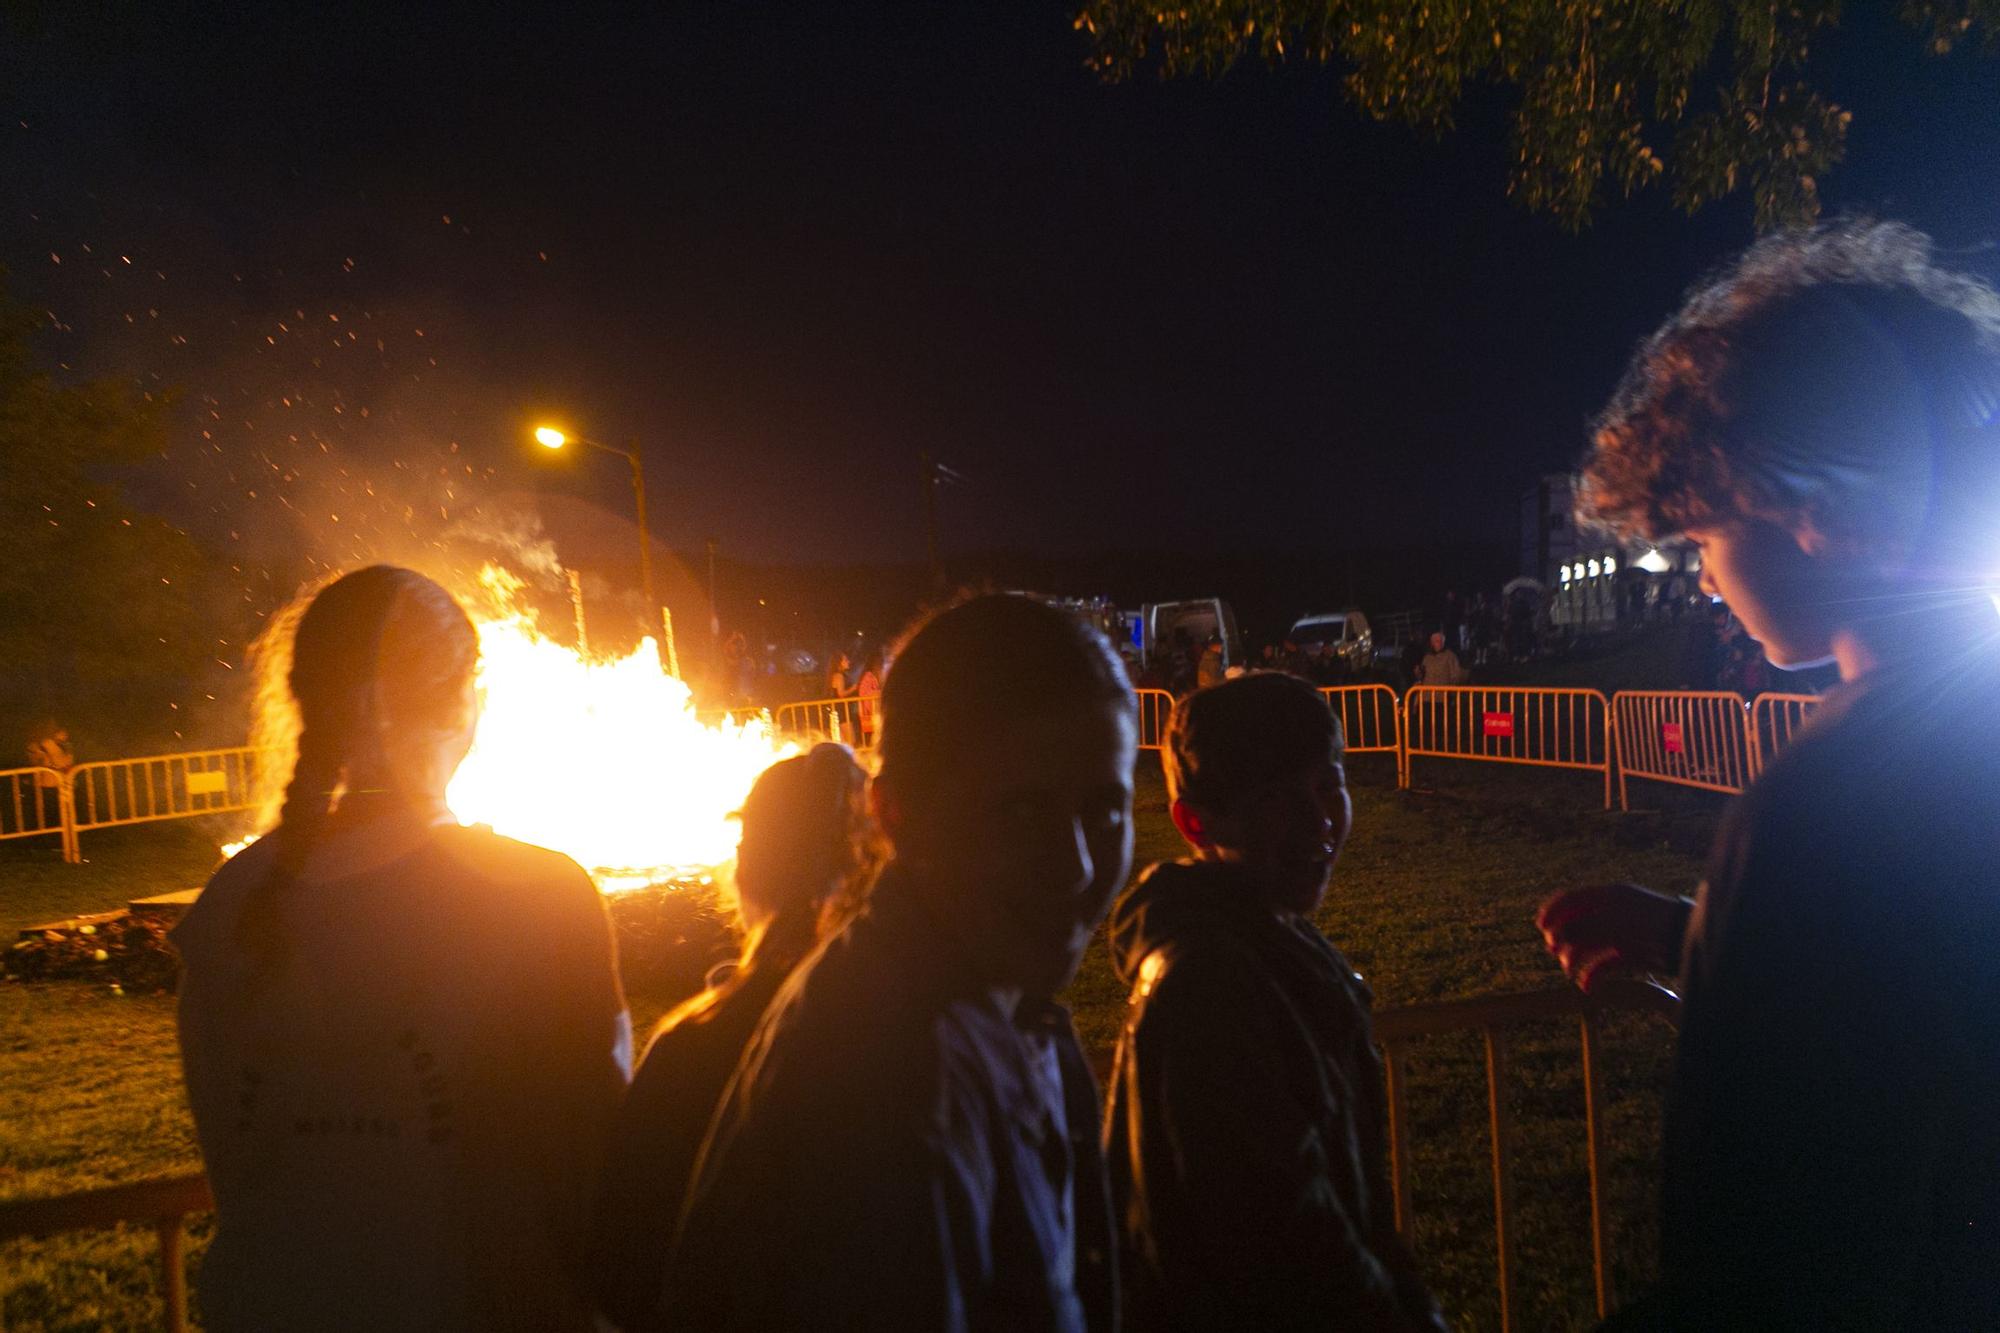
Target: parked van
{"type": "Point", "coordinates": [1202, 618]}
{"type": "Point", "coordinates": [1345, 635]}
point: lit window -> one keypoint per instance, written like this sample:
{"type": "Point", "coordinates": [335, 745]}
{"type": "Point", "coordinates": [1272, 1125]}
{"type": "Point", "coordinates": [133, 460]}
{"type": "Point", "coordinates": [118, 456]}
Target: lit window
{"type": "Point", "coordinates": [1653, 562]}
{"type": "Point", "coordinates": [1592, 567]}
{"type": "Point", "coordinates": [1565, 573]}
{"type": "Point", "coordinates": [1610, 565]}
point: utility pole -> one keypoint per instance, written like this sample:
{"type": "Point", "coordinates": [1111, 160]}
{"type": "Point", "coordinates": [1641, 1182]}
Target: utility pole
{"type": "Point", "coordinates": [931, 519]}
{"type": "Point", "coordinates": [653, 606]}
{"type": "Point", "coordinates": [714, 611]}
{"type": "Point", "coordinates": [576, 601]}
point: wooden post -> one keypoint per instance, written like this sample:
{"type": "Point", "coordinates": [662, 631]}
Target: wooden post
{"type": "Point", "coordinates": [1593, 1127]}
{"type": "Point", "coordinates": [1496, 1103]}
{"type": "Point", "coordinates": [173, 1273]}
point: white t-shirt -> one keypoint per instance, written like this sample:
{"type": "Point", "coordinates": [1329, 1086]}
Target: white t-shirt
{"type": "Point", "coordinates": [403, 1111]}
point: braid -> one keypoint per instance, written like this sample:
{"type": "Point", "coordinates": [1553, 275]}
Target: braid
{"type": "Point", "coordinates": [308, 801]}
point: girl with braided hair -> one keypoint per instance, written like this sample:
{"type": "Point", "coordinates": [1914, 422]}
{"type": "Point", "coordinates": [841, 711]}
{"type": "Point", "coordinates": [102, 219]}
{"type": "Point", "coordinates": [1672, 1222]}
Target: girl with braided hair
{"type": "Point", "coordinates": [404, 1040]}
{"type": "Point", "coordinates": [805, 857]}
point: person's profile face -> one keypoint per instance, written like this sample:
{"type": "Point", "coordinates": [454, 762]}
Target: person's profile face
{"type": "Point", "coordinates": [1776, 593]}
{"type": "Point", "coordinates": [1287, 832]}
{"type": "Point", "coordinates": [1030, 837]}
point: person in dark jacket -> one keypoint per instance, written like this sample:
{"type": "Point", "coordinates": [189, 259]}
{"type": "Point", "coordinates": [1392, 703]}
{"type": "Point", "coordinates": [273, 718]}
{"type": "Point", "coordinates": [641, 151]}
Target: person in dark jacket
{"type": "Point", "coordinates": [802, 860]}
{"type": "Point", "coordinates": [1819, 422]}
{"type": "Point", "coordinates": [911, 1140]}
{"type": "Point", "coordinates": [1245, 1133]}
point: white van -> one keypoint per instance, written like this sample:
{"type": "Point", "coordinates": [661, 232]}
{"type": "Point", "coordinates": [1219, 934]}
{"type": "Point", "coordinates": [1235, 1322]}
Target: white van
{"type": "Point", "coordinates": [1345, 635]}
{"type": "Point", "coordinates": [1202, 618]}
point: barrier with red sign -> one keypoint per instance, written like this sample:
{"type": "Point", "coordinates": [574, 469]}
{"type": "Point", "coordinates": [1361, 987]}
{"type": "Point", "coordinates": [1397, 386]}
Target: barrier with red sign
{"type": "Point", "coordinates": [1689, 738]}
{"type": "Point", "coordinates": [1551, 728]}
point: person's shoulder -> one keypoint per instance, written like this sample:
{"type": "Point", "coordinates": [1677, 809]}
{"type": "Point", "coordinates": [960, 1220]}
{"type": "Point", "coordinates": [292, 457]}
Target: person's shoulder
{"type": "Point", "coordinates": [535, 884]}
{"type": "Point", "coordinates": [1202, 975]}
{"type": "Point", "coordinates": [221, 899]}
{"type": "Point", "coordinates": [509, 861]}
{"type": "Point", "coordinates": [850, 1033]}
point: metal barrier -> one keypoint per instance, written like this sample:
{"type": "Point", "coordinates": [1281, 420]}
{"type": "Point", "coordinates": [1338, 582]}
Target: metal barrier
{"type": "Point", "coordinates": [854, 720]}
{"type": "Point", "coordinates": [1370, 717]}
{"type": "Point", "coordinates": [742, 715]}
{"type": "Point", "coordinates": [34, 802]}
{"type": "Point", "coordinates": [113, 792]}
{"type": "Point", "coordinates": [1155, 707]}
{"type": "Point", "coordinates": [1774, 719]}
{"type": "Point", "coordinates": [163, 1204]}
{"type": "Point", "coordinates": [1553, 728]}
{"type": "Point", "coordinates": [1491, 1015]}
{"type": "Point", "coordinates": [1694, 739]}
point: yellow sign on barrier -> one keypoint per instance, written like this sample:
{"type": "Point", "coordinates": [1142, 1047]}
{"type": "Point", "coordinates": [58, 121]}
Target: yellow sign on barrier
{"type": "Point", "coordinates": [113, 792]}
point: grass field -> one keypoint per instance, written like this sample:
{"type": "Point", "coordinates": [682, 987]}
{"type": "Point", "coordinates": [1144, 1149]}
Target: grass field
{"type": "Point", "coordinates": [1432, 900]}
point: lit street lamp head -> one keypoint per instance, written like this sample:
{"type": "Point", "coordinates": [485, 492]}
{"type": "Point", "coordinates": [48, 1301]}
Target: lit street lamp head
{"type": "Point", "coordinates": [551, 437]}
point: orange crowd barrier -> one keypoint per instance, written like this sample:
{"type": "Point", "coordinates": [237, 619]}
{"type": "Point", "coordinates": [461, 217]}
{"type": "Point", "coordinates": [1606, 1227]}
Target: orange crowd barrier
{"type": "Point", "coordinates": [1370, 717]}
{"type": "Point", "coordinates": [1690, 738]}
{"type": "Point", "coordinates": [1550, 728]}
{"type": "Point", "coordinates": [853, 720]}
{"type": "Point", "coordinates": [1774, 720]}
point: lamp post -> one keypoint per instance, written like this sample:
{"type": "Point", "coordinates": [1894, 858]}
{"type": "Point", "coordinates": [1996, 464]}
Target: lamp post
{"type": "Point", "coordinates": [551, 438]}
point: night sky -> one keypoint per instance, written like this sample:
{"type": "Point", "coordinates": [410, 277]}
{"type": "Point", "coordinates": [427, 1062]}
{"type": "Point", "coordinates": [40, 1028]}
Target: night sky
{"type": "Point", "coordinates": [786, 248]}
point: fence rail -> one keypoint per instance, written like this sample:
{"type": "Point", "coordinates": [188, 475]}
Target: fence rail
{"type": "Point", "coordinates": [1553, 728]}
{"type": "Point", "coordinates": [854, 720]}
{"type": "Point", "coordinates": [166, 1203]}
{"type": "Point", "coordinates": [1371, 717]}
{"type": "Point", "coordinates": [163, 1204]}
{"type": "Point", "coordinates": [34, 802]}
{"type": "Point", "coordinates": [1491, 1016]}
{"type": "Point", "coordinates": [1550, 728]}
{"type": "Point", "coordinates": [1774, 720]}
{"type": "Point", "coordinates": [1691, 738]}
{"type": "Point", "coordinates": [109, 793]}
{"type": "Point", "coordinates": [1155, 708]}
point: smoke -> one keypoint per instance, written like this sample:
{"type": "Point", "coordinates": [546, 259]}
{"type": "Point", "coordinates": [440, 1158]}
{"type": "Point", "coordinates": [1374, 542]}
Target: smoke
{"type": "Point", "coordinates": [513, 530]}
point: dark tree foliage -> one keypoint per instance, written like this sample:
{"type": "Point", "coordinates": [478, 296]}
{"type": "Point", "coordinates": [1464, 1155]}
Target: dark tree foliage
{"type": "Point", "coordinates": [1705, 96]}
{"type": "Point", "coordinates": [96, 620]}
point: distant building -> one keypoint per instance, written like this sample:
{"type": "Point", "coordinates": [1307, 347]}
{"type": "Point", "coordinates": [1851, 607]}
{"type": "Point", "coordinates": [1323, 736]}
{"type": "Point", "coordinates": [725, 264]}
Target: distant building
{"type": "Point", "coordinates": [1598, 582]}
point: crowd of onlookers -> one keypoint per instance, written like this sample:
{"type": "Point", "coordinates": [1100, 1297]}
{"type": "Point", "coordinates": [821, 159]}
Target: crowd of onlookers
{"type": "Point", "coordinates": [879, 1114]}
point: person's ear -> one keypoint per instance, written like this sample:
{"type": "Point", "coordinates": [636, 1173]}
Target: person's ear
{"type": "Point", "coordinates": [1810, 536]}
{"type": "Point", "coordinates": [1189, 821]}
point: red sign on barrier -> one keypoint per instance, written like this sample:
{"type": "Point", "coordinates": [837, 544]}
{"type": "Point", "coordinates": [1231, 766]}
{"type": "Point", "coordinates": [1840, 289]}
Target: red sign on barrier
{"type": "Point", "coordinates": [1670, 737]}
{"type": "Point", "coordinates": [1500, 724]}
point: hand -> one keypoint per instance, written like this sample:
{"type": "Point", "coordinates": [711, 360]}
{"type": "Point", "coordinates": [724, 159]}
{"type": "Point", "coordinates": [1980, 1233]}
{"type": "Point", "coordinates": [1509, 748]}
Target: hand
{"type": "Point", "coordinates": [1612, 929]}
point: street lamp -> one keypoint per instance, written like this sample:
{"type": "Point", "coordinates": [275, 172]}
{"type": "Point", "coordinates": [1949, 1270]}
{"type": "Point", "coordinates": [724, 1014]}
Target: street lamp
{"type": "Point", "coordinates": [551, 438]}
